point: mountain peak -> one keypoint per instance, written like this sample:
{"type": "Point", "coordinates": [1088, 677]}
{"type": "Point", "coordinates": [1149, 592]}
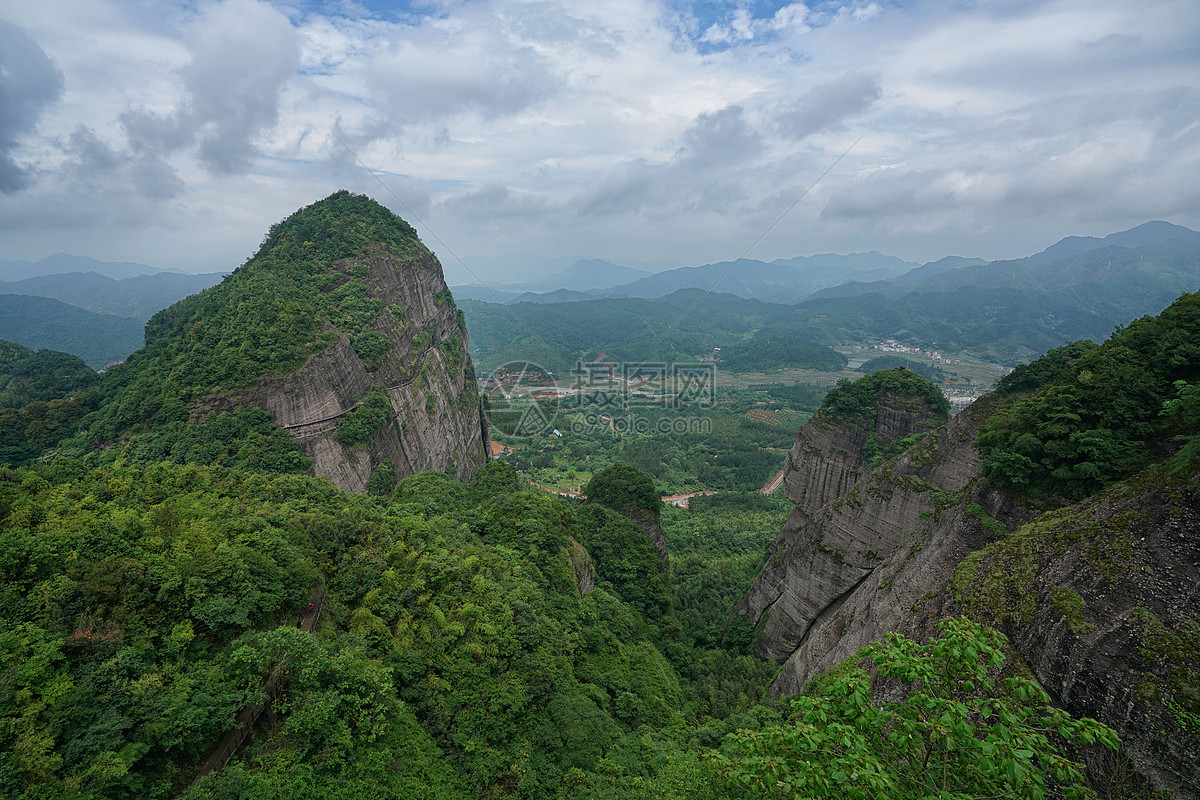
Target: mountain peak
{"type": "Point", "coordinates": [1156, 232]}
{"type": "Point", "coordinates": [339, 226]}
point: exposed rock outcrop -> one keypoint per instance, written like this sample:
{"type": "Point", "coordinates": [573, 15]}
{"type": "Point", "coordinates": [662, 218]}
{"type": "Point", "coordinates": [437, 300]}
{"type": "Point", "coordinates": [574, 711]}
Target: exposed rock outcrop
{"type": "Point", "coordinates": [1098, 599]}
{"type": "Point", "coordinates": [435, 421]}
{"type": "Point", "coordinates": [824, 550]}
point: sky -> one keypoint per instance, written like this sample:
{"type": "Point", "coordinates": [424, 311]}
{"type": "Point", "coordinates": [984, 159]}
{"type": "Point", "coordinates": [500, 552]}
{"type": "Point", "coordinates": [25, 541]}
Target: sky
{"type": "Point", "coordinates": [659, 131]}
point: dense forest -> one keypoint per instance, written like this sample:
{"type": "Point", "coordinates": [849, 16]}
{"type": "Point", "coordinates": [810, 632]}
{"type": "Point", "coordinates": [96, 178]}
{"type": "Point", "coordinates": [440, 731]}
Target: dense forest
{"type": "Point", "coordinates": [456, 656]}
{"type": "Point", "coordinates": [163, 580]}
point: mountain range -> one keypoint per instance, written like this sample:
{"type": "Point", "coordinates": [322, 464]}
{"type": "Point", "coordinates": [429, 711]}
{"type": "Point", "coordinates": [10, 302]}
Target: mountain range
{"type": "Point", "coordinates": [267, 556]}
{"type": "Point", "coordinates": [1008, 311]}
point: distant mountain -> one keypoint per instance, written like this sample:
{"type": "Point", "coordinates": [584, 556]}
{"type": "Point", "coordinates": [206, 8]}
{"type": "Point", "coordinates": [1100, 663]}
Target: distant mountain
{"type": "Point", "coordinates": [557, 296]}
{"type": "Point", "coordinates": [64, 262]}
{"type": "Point", "coordinates": [44, 323]}
{"type": "Point", "coordinates": [139, 297]}
{"type": "Point", "coordinates": [588, 273]}
{"type": "Point", "coordinates": [487, 294]}
{"type": "Point", "coordinates": [1014, 310]}
{"type": "Point", "coordinates": [1007, 311]}
{"type": "Point", "coordinates": [924, 272]}
{"type": "Point", "coordinates": [780, 281]}
{"type": "Point", "coordinates": [900, 284]}
{"type": "Point", "coordinates": [1156, 233]}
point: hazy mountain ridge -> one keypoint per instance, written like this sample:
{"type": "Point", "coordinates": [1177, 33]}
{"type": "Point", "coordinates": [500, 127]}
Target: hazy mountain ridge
{"type": "Point", "coordinates": [140, 296]}
{"type": "Point", "coordinates": [62, 263]}
{"type": "Point", "coordinates": [44, 323]}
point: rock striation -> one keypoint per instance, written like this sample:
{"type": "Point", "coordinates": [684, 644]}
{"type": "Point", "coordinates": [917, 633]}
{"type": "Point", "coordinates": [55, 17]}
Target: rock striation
{"type": "Point", "coordinates": [435, 422]}
{"type": "Point", "coordinates": [1098, 599]}
{"type": "Point", "coordinates": [837, 533]}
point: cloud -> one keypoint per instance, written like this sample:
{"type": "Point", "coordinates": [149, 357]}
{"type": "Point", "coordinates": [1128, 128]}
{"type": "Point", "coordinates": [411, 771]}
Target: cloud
{"type": "Point", "coordinates": [827, 105]}
{"type": "Point", "coordinates": [742, 26]}
{"type": "Point", "coordinates": [29, 83]}
{"type": "Point", "coordinates": [721, 137]}
{"type": "Point", "coordinates": [494, 203]}
{"type": "Point", "coordinates": [243, 52]}
{"type": "Point", "coordinates": [429, 72]}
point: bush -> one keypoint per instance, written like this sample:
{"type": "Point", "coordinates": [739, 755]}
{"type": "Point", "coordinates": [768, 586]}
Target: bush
{"type": "Point", "coordinates": [959, 730]}
{"type": "Point", "coordinates": [621, 486]}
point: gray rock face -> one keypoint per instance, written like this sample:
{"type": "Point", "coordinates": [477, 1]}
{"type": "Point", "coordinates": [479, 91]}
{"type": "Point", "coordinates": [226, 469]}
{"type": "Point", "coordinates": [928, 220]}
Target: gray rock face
{"type": "Point", "coordinates": [436, 421]}
{"type": "Point", "coordinates": [829, 542]}
{"type": "Point", "coordinates": [1100, 600]}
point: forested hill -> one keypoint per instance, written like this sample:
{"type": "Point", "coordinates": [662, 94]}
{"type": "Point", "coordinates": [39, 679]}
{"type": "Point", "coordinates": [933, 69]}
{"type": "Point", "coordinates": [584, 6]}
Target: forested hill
{"type": "Point", "coordinates": [340, 330]}
{"type": "Point", "coordinates": [43, 323]}
{"type": "Point", "coordinates": [683, 325]}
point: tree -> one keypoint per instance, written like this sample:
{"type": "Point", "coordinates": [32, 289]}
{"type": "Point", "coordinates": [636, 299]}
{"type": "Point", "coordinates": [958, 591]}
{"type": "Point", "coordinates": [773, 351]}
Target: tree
{"type": "Point", "coordinates": [620, 486]}
{"type": "Point", "coordinates": [958, 732]}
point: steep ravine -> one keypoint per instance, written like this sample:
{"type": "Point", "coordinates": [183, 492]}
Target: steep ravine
{"type": "Point", "coordinates": [1099, 599]}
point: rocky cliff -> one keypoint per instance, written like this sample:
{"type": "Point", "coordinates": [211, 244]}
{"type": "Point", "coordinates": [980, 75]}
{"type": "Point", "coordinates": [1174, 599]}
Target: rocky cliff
{"type": "Point", "coordinates": [434, 421]}
{"type": "Point", "coordinates": [1098, 599]}
{"type": "Point", "coordinates": [822, 552]}
{"type": "Point", "coordinates": [342, 328]}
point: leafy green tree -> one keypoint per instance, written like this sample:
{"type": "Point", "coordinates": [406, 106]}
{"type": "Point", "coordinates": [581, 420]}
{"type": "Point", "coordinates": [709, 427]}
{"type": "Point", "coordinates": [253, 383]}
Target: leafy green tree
{"type": "Point", "coordinates": [858, 399]}
{"type": "Point", "coordinates": [621, 486]}
{"type": "Point", "coordinates": [959, 731]}
{"type": "Point", "coordinates": [1087, 415]}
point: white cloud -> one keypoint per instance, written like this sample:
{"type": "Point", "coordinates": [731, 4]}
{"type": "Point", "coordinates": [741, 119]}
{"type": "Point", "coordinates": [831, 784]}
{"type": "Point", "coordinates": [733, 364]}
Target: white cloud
{"type": "Point", "coordinates": [29, 82]}
{"type": "Point", "coordinates": [613, 128]}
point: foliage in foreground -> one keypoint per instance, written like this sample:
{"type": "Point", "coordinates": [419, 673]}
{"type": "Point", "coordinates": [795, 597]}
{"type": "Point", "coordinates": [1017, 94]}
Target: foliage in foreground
{"type": "Point", "coordinates": [960, 731]}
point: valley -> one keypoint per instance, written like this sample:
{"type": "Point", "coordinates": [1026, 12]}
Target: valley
{"type": "Point", "coordinates": [511, 604]}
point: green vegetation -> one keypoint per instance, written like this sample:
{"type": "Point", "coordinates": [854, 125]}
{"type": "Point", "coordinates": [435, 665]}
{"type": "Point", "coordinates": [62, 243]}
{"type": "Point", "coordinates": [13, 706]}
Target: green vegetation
{"type": "Point", "coordinates": [270, 315]}
{"type": "Point", "coordinates": [724, 449]}
{"type": "Point", "coordinates": [144, 607]}
{"type": "Point", "coordinates": [39, 322]}
{"type": "Point", "coordinates": [622, 486]}
{"type": "Point", "coordinates": [26, 376]}
{"type": "Point", "coordinates": [959, 731]}
{"type": "Point", "coordinates": [361, 424]}
{"type": "Point", "coordinates": [42, 399]}
{"type": "Point", "coordinates": [858, 400]}
{"type": "Point", "coordinates": [780, 351]}
{"type": "Point", "coordinates": [244, 438]}
{"type": "Point", "coordinates": [372, 346]}
{"type": "Point", "coordinates": [1091, 415]}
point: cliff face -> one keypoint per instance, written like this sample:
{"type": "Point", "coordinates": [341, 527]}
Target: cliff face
{"type": "Point", "coordinates": [435, 421]}
{"type": "Point", "coordinates": [821, 553]}
{"type": "Point", "coordinates": [1098, 599]}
